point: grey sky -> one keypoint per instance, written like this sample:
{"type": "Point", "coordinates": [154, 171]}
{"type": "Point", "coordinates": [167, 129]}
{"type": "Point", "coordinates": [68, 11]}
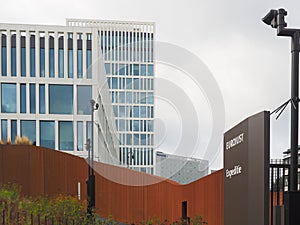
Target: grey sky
{"type": "Point", "coordinates": [250, 64]}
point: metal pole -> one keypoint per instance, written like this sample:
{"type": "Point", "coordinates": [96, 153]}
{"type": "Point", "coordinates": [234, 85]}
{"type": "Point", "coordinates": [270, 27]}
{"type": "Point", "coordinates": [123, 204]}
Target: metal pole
{"type": "Point", "coordinates": [294, 111]}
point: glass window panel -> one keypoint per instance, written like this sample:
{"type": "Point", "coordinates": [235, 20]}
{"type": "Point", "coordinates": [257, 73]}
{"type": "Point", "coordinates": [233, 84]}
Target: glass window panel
{"type": "Point", "coordinates": [13, 62]}
{"type": "Point", "coordinates": [136, 70]}
{"type": "Point", "coordinates": [129, 139]}
{"type": "Point", "coordinates": [4, 130]}
{"type": "Point", "coordinates": [3, 61]}
{"type": "Point", "coordinates": [8, 98]}
{"type": "Point", "coordinates": [70, 63]}
{"type": "Point", "coordinates": [79, 136]}
{"type": "Point", "coordinates": [115, 108]}
{"type": "Point", "coordinates": [136, 139]}
{"type": "Point", "coordinates": [89, 63]}
{"type": "Point", "coordinates": [66, 135]}
{"type": "Point", "coordinates": [42, 99]}
{"type": "Point", "coordinates": [136, 125]}
{"type": "Point", "coordinates": [60, 99]}
{"type": "Point", "coordinates": [115, 83]}
{"type": "Point", "coordinates": [136, 85]}
{"type": "Point", "coordinates": [122, 111]}
{"type": "Point", "coordinates": [23, 62]}
{"type": "Point", "coordinates": [32, 98]}
{"type": "Point", "coordinates": [42, 62]}
{"type": "Point", "coordinates": [89, 130]}
{"type": "Point", "coordinates": [143, 112]}
{"type": "Point", "coordinates": [143, 98]}
{"type": "Point", "coordinates": [128, 83]}
{"type": "Point", "coordinates": [32, 62]}
{"type": "Point", "coordinates": [108, 82]}
{"type": "Point", "coordinates": [121, 97]}
{"type": "Point", "coordinates": [47, 134]}
{"type": "Point", "coordinates": [121, 125]}
{"type": "Point", "coordinates": [84, 95]}
{"type": "Point", "coordinates": [13, 130]}
{"type": "Point", "coordinates": [61, 63]}
{"type": "Point", "coordinates": [143, 70]}
{"type": "Point", "coordinates": [23, 98]}
{"type": "Point", "coordinates": [28, 129]}
{"type": "Point", "coordinates": [79, 63]}
{"type": "Point", "coordinates": [129, 97]}
{"type": "Point", "coordinates": [150, 98]}
{"type": "Point", "coordinates": [150, 125]}
{"type": "Point", "coordinates": [107, 68]}
{"type": "Point", "coordinates": [150, 70]}
{"type": "Point", "coordinates": [51, 62]}
{"type": "Point", "coordinates": [122, 69]}
{"type": "Point", "coordinates": [136, 111]}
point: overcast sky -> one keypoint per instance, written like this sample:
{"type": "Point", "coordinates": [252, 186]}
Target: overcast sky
{"type": "Point", "coordinates": [249, 62]}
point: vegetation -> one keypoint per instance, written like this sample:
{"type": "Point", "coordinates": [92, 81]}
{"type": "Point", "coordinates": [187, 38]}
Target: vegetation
{"type": "Point", "coordinates": [18, 141]}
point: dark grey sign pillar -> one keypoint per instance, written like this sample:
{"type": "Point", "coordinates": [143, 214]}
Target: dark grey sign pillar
{"type": "Point", "coordinates": [246, 171]}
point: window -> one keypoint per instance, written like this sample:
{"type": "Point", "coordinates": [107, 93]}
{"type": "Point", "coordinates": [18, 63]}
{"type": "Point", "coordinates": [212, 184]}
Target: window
{"type": "Point", "coordinates": [13, 130]}
{"type": "Point", "coordinates": [122, 111]}
{"type": "Point", "coordinates": [66, 135]}
{"type": "Point", "coordinates": [89, 130]}
{"type": "Point", "coordinates": [42, 57]}
{"type": "Point", "coordinates": [60, 99]}
{"type": "Point", "coordinates": [136, 111]}
{"type": "Point", "coordinates": [42, 99]}
{"type": "Point", "coordinates": [136, 70]}
{"type": "Point", "coordinates": [79, 64]}
{"type": "Point", "coordinates": [79, 136]}
{"type": "Point", "coordinates": [121, 125]}
{"type": "Point", "coordinates": [136, 125]}
{"type": "Point", "coordinates": [8, 98]}
{"type": "Point", "coordinates": [28, 130]}
{"type": "Point", "coordinates": [61, 57]}
{"type": "Point", "coordinates": [122, 69]}
{"type": "Point", "coordinates": [70, 63]}
{"type": "Point", "coordinates": [3, 129]}
{"type": "Point", "coordinates": [23, 57]}
{"type": "Point", "coordinates": [89, 64]}
{"type": "Point", "coordinates": [128, 83]}
{"type": "Point", "coordinates": [150, 125]}
{"type": "Point", "coordinates": [32, 98]}
{"type": "Point", "coordinates": [136, 85]}
{"type": "Point", "coordinates": [3, 55]}
{"type": "Point", "coordinates": [150, 70]}
{"type": "Point", "coordinates": [143, 70]}
{"type": "Point", "coordinates": [107, 68]}
{"type": "Point", "coordinates": [84, 95]}
{"type": "Point", "coordinates": [121, 97]}
{"type": "Point", "coordinates": [47, 134]}
{"type": "Point", "coordinates": [150, 98]}
{"type": "Point", "coordinates": [51, 58]}
{"type": "Point", "coordinates": [13, 56]}
{"type": "Point", "coordinates": [32, 56]}
{"type": "Point", "coordinates": [23, 98]}
{"type": "Point", "coordinates": [115, 83]}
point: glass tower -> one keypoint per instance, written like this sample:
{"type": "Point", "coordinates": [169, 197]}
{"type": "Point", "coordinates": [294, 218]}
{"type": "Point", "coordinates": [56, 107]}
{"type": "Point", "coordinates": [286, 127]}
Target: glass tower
{"type": "Point", "coordinates": [128, 55]}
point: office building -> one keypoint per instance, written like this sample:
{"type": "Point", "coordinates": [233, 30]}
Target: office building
{"type": "Point", "coordinates": [128, 54]}
{"type": "Point", "coordinates": [49, 74]}
{"type": "Point", "coordinates": [181, 169]}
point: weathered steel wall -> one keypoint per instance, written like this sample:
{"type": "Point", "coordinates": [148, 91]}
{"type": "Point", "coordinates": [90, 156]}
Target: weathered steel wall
{"type": "Point", "coordinates": [42, 171]}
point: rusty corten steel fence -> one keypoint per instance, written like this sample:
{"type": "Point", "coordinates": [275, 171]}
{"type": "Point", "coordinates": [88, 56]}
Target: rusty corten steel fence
{"type": "Point", "coordinates": [42, 171]}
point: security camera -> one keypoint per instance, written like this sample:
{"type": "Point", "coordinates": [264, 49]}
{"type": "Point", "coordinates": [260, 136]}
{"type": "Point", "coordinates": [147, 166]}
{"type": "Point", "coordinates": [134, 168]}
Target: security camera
{"type": "Point", "coordinates": [270, 18]}
{"type": "Point", "coordinates": [96, 106]}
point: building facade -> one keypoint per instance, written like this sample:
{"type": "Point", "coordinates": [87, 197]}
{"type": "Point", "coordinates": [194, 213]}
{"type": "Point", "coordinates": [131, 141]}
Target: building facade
{"type": "Point", "coordinates": [49, 74]}
{"type": "Point", "coordinates": [181, 169]}
{"type": "Point", "coordinates": [128, 54]}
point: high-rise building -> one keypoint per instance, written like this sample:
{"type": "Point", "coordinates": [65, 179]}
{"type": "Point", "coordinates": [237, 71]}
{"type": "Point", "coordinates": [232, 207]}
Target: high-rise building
{"type": "Point", "coordinates": [49, 74]}
{"type": "Point", "coordinates": [128, 52]}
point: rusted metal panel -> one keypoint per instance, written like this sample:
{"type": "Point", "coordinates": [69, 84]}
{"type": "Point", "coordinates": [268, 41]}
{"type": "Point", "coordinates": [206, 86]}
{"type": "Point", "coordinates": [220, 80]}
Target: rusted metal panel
{"type": "Point", "coordinates": [49, 172]}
